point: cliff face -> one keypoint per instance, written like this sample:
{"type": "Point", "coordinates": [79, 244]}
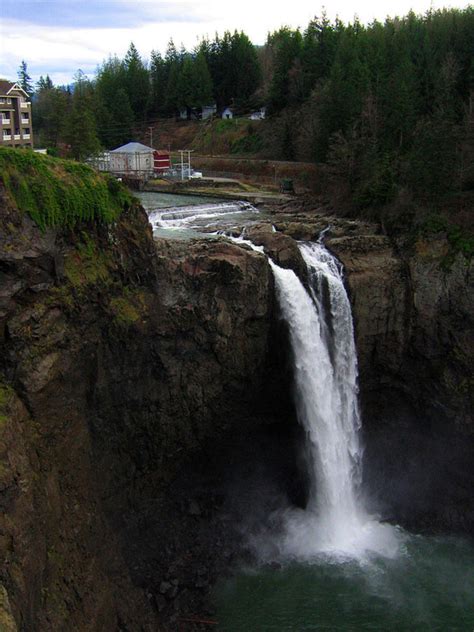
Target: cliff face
{"type": "Point", "coordinates": [413, 317]}
{"type": "Point", "coordinates": [118, 360]}
{"type": "Point", "coordinates": [134, 371]}
{"type": "Point", "coordinates": [414, 323]}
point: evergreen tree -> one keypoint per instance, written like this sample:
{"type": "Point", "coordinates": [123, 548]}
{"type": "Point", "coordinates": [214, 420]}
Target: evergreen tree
{"type": "Point", "coordinates": [81, 128]}
{"type": "Point", "coordinates": [194, 87]}
{"type": "Point", "coordinates": [158, 84]}
{"type": "Point", "coordinates": [44, 83]}
{"type": "Point", "coordinates": [201, 80]}
{"type": "Point", "coordinates": [121, 131]}
{"type": "Point", "coordinates": [185, 88]}
{"type": "Point", "coordinates": [136, 82]}
{"type": "Point", "coordinates": [172, 65]}
{"type": "Point", "coordinates": [244, 69]}
{"type": "Point", "coordinates": [287, 47]}
{"type": "Point", "coordinates": [25, 80]}
{"type": "Point", "coordinates": [81, 132]}
{"type": "Point", "coordinates": [50, 107]}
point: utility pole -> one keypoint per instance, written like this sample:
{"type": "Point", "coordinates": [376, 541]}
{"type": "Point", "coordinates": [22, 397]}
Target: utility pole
{"type": "Point", "coordinates": [151, 136]}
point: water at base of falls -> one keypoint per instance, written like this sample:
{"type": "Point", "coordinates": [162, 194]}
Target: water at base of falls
{"type": "Point", "coordinates": [428, 587]}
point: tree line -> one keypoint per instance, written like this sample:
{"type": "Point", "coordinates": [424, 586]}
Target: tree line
{"type": "Point", "coordinates": [385, 106]}
{"type": "Point", "coordinates": [127, 93]}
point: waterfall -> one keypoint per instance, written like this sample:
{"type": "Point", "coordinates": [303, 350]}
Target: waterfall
{"type": "Point", "coordinates": [325, 370]}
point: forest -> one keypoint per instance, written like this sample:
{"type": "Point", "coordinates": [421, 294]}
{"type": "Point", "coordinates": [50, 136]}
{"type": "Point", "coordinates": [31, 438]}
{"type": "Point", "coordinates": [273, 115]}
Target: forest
{"type": "Point", "coordinates": [385, 108]}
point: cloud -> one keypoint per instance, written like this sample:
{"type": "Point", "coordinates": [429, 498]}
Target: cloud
{"type": "Point", "coordinates": [57, 37]}
{"type": "Point", "coordinates": [100, 14]}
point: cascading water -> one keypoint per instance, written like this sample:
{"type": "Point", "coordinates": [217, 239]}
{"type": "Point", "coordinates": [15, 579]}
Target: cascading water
{"type": "Point", "coordinates": [346, 570]}
{"type": "Point", "coordinates": [325, 365]}
{"type": "Point", "coordinates": [197, 214]}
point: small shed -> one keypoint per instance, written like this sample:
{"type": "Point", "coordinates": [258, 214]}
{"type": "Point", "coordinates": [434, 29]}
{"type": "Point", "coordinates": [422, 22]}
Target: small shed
{"type": "Point", "coordinates": [161, 161]}
{"type": "Point", "coordinates": [227, 113]}
{"type": "Point", "coordinates": [132, 159]}
{"type": "Point", "coordinates": [208, 111]}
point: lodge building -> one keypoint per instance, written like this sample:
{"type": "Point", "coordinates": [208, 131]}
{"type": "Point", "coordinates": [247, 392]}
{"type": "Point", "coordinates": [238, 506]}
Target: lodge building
{"type": "Point", "coordinates": [15, 116]}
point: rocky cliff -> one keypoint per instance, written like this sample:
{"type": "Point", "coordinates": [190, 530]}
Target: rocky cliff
{"type": "Point", "coordinates": [120, 358]}
{"type": "Point", "coordinates": [145, 396]}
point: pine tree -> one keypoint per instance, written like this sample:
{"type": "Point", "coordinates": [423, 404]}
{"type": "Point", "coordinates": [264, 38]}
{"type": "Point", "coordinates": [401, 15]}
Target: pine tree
{"type": "Point", "coordinates": [81, 126]}
{"type": "Point", "coordinates": [202, 81]}
{"type": "Point", "coordinates": [158, 84]}
{"type": "Point", "coordinates": [25, 80]}
{"type": "Point", "coordinates": [287, 46]}
{"type": "Point", "coordinates": [244, 69]}
{"type": "Point", "coordinates": [171, 76]}
{"type": "Point", "coordinates": [44, 83]}
{"type": "Point", "coordinates": [137, 82]}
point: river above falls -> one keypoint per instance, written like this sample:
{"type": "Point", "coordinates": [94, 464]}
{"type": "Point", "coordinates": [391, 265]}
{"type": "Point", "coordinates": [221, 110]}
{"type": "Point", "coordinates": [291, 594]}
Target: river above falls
{"type": "Point", "coordinates": [187, 216]}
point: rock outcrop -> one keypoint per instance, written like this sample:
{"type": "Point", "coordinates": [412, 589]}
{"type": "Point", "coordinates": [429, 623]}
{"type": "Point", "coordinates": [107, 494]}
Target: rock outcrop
{"type": "Point", "coordinates": [119, 359]}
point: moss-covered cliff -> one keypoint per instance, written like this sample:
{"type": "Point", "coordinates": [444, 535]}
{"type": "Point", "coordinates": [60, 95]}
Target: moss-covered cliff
{"type": "Point", "coordinates": [118, 360]}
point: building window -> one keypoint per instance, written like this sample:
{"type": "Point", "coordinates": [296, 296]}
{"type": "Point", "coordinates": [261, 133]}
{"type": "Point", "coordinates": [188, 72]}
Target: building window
{"type": "Point", "coordinates": [7, 133]}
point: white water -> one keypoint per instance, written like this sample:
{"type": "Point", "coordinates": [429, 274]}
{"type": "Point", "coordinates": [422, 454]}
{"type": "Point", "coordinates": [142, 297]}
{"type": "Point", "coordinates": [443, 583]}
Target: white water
{"type": "Point", "coordinates": [187, 216]}
{"type": "Point", "coordinates": [322, 339]}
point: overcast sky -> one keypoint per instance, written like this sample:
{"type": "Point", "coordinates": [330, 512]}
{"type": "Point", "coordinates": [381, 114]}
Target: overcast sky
{"type": "Point", "coordinates": [57, 37]}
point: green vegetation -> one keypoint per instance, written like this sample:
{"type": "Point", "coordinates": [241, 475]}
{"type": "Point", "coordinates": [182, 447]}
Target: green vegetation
{"type": "Point", "coordinates": [126, 93]}
{"type": "Point", "coordinates": [87, 264]}
{"type": "Point", "coordinates": [128, 308]}
{"type": "Point", "coordinates": [60, 193]}
{"type": "Point", "coordinates": [387, 107]}
{"type": "Point", "coordinates": [458, 239]}
{"type": "Point", "coordinates": [228, 136]}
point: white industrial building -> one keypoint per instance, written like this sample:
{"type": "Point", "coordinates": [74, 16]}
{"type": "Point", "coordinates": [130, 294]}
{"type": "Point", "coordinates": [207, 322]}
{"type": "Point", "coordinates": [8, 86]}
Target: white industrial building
{"type": "Point", "coordinates": [132, 159]}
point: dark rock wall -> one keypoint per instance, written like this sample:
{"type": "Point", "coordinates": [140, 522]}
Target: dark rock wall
{"type": "Point", "coordinates": [119, 360]}
{"type": "Point", "coordinates": [124, 362]}
{"type": "Point", "coordinates": [414, 323]}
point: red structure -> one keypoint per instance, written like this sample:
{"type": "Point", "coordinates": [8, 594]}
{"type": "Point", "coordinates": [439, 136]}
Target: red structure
{"type": "Point", "coordinates": [161, 161]}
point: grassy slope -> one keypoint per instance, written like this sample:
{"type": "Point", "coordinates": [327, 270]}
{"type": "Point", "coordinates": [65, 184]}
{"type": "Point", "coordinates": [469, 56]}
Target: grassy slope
{"type": "Point", "coordinates": [58, 192]}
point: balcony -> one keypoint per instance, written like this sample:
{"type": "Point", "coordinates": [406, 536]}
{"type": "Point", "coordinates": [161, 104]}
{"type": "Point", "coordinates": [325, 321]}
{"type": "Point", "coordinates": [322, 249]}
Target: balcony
{"type": "Point", "coordinates": [5, 121]}
{"type": "Point", "coordinates": [24, 105]}
{"type": "Point", "coordinates": [7, 137]}
{"type": "Point", "coordinates": [17, 137]}
{"type": "Point", "coordinates": [26, 136]}
{"type": "Point", "coordinates": [25, 121]}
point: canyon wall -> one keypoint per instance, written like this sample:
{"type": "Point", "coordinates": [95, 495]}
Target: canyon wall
{"type": "Point", "coordinates": [127, 364]}
{"type": "Point", "coordinates": [119, 359]}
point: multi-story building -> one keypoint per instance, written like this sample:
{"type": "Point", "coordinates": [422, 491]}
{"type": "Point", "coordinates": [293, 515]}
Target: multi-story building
{"type": "Point", "coordinates": [15, 116]}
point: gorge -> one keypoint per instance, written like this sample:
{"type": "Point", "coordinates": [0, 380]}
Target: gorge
{"type": "Point", "coordinates": [146, 405]}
